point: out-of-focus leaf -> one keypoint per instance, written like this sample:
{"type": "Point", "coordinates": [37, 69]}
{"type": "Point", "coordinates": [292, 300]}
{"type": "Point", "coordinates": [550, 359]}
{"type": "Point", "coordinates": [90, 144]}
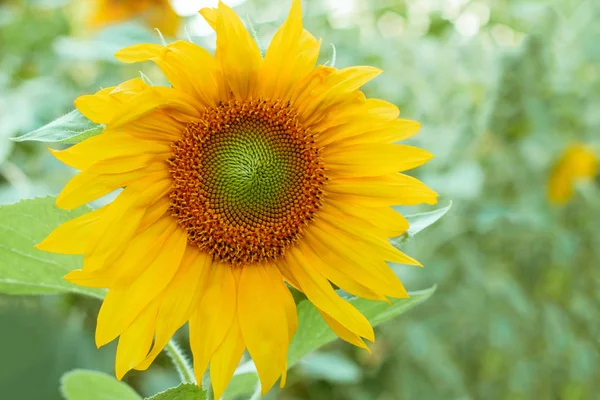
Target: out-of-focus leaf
{"type": "Point", "coordinates": [463, 181]}
{"type": "Point", "coordinates": [92, 385]}
{"type": "Point", "coordinates": [26, 270]}
{"type": "Point", "coordinates": [185, 391]}
{"type": "Point", "coordinates": [70, 128]}
{"type": "Point", "coordinates": [330, 367]}
{"type": "Point", "coordinates": [106, 43]}
{"type": "Point", "coordinates": [5, 147]}
{"type": "Point", "coordinates": [314, 333]}
{"type": "Point", "coordinates": [418, 222]}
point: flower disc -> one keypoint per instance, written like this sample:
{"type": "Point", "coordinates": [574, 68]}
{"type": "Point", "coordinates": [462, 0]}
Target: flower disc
{"type": "Point", "coordinates": [246, 180]}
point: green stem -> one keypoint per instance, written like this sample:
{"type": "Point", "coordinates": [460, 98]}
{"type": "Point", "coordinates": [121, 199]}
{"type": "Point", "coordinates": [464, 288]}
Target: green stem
{"type": "Point", "coordinates": [186, 373]}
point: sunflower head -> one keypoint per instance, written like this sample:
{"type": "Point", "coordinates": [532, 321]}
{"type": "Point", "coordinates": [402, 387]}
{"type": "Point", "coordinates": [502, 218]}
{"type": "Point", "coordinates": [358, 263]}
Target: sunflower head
{"type": "Point", "coordinates": [248, 176]}
{"type": "Point", "coordinates": [578, 162]}
{"type": "Point", "coordinates": [154, 13]}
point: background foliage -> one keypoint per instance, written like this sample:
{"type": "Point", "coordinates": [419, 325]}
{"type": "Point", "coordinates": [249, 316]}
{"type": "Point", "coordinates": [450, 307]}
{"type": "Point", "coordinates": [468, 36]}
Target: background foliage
{"type": "Point", "coordinates": [501, 87]}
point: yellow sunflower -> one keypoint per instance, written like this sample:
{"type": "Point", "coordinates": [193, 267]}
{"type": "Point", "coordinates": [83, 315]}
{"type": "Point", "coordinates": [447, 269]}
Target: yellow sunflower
{"type": "Point", "coordinates": [155, 13]}
{"type": "Point", "coordinates": [577, 162]}
{"type": "Point", "coordinates": [249, 174]}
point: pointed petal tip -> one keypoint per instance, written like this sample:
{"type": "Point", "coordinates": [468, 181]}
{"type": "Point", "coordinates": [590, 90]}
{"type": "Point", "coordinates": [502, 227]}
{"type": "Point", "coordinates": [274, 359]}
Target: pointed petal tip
{"type": "Point", "coordinates": [120, 372]}
{"type": "Point", "coordinates": [283, 379]}
{"type": "Point", "coordinates": [433, 201]}
{"type": "Point", "coordinates": [371, 335]}
{"type": "Point", "coordinates": [101, 338]}
{"type": "Point", "coordinates": [46, 245]}
{"type": "Point", "coordinates": [210, 16]}
{"type": "Point", "coordinates": [62, 203]}
{"type": "Point", "coordinates": [374, 71]}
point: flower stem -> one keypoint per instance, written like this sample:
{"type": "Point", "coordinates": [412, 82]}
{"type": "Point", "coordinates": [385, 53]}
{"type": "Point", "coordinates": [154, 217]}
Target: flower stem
{"type": "Point", "coordinates": [182, 364]}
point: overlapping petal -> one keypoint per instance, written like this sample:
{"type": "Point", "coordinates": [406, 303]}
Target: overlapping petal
{"type": "Point", "coordinates": [237, 53]}
{"type": "Point", "coordinates": [187, 66]}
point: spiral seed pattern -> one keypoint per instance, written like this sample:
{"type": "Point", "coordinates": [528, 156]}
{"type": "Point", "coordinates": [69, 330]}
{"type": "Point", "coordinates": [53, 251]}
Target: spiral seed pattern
{"type": "Point", "coordinates": [247, 178]}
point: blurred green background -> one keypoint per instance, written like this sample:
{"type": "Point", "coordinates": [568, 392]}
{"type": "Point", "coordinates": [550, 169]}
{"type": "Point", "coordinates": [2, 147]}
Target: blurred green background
{"type": "Point", "coordinates": [500, 86]}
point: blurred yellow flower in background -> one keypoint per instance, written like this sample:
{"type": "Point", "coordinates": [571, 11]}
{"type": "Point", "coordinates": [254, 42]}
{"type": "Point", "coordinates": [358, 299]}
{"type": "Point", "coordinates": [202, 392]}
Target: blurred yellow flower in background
{"type": "Point", "coordinates": [247, 174]}
{"type": "Point", "coordinates": [578, 162]}
{"type": "Point", "coordinates": [155, 14]}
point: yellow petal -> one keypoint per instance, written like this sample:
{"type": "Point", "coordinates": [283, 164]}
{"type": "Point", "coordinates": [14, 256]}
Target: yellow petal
{"type": "Point", "coordinates": [287, 300]}
{"type": "Point", "coordinates": [139, 52]}
{"type": "Point", "coordinates": [390, 190]}
{"type": "Point", "coordinates": [108, 145]}
{"type": "Point", "coordinates": [312, 105]}
{"type": "Point", "coordinates": [360, 262]}
{"type": "Point", "coordinates": [116, 111]}
{"type": "Point", "coordinates": [392, 132]}
{"type": "Point", "coordinates": [237, 53]}
{"type": "Point", "coordinates": [226, 359]}
{"type": "Point", "coordinates": [344, 333]}
{"type": "Point", "coordinates": [72, 236]}
{"type": "Point", "coordinates": [334, 269]}
{"type": "Point", "coordinates": [214, 315]}
{"type": "Point", "coordinates": [391, 222]}
{"type": "Point", "coordinates": [155, 212]}
{"type": "Point", "coordinates": [364, 160]}
{"type": "Point", "coordinates": [158, 125]}
{"type": "Point", "coordinates": [102, 105]}
{"type": "Point", "coordinates": [106, 176]}
{"type": "Point", "coordinates": [124, 303]}
{"type": "Point", "coordinates": [187, 66]}
{"type": "Point", "coordinates": [263, 320]}
{"type": "Point", "coordinates": [291, 42]}
{"type": "Point", "coordinates": [178, 301]}
{"type": "Point", "coordinates": [353, 118]}
{"type": "Point", "coordinates": [143, 249]}
{"type": "Point", "coordinates": [210, 15]}
{"type": "Point", "coordinates": [121, 221]}
{"type": "Point", "coordinates": [318, 290]}
{"type": "Point", "coordinates": [362, 232]}
{"type": "Point", "coordinates": [135, 342]}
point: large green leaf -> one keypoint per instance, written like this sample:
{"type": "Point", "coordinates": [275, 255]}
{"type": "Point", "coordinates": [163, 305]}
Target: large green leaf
{"type": "Point", "coordinates": [314, 333]}
{"type": "Point", "coordinates": [92, 385]}
{"type": "Point", "coordinates": [26, 270]}
{"type": "Point", "coordinates": [70, 128]}
{"type": "Point", "coordinates": [185, 391]}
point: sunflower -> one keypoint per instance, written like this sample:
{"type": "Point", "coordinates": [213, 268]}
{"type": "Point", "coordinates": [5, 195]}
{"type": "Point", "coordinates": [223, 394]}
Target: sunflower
{"type": "Point", "coordinates": [249, 174]}
{"type": "Point", "coordinates": [577, 162]}
{"type": "Point", "coordinates": [155, 13]}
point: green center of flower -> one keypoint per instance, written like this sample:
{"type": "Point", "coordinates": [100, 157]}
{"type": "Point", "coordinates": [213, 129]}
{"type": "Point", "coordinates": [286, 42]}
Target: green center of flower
{"type": "Point", "coordinates": [246, 180]}
{"type": "Point", "coordinates": [254, 170]}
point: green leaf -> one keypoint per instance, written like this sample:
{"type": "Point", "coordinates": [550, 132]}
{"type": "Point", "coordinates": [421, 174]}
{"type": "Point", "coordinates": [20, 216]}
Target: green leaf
{"type": "Point", "coordinates": [70, 128]}
{"type": "Point", "coordinates": [418, 222]}
{"type": "Point", "coordinates": [331, 367]}
{"type": "Point", "coordinates": [314, 333]}
{"type": "Point", "coordinates": [185, 391]}
{"type": "Point", "coordinates": [26, 270]}
{"type": "Point", "coordinates": [92, 385]}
